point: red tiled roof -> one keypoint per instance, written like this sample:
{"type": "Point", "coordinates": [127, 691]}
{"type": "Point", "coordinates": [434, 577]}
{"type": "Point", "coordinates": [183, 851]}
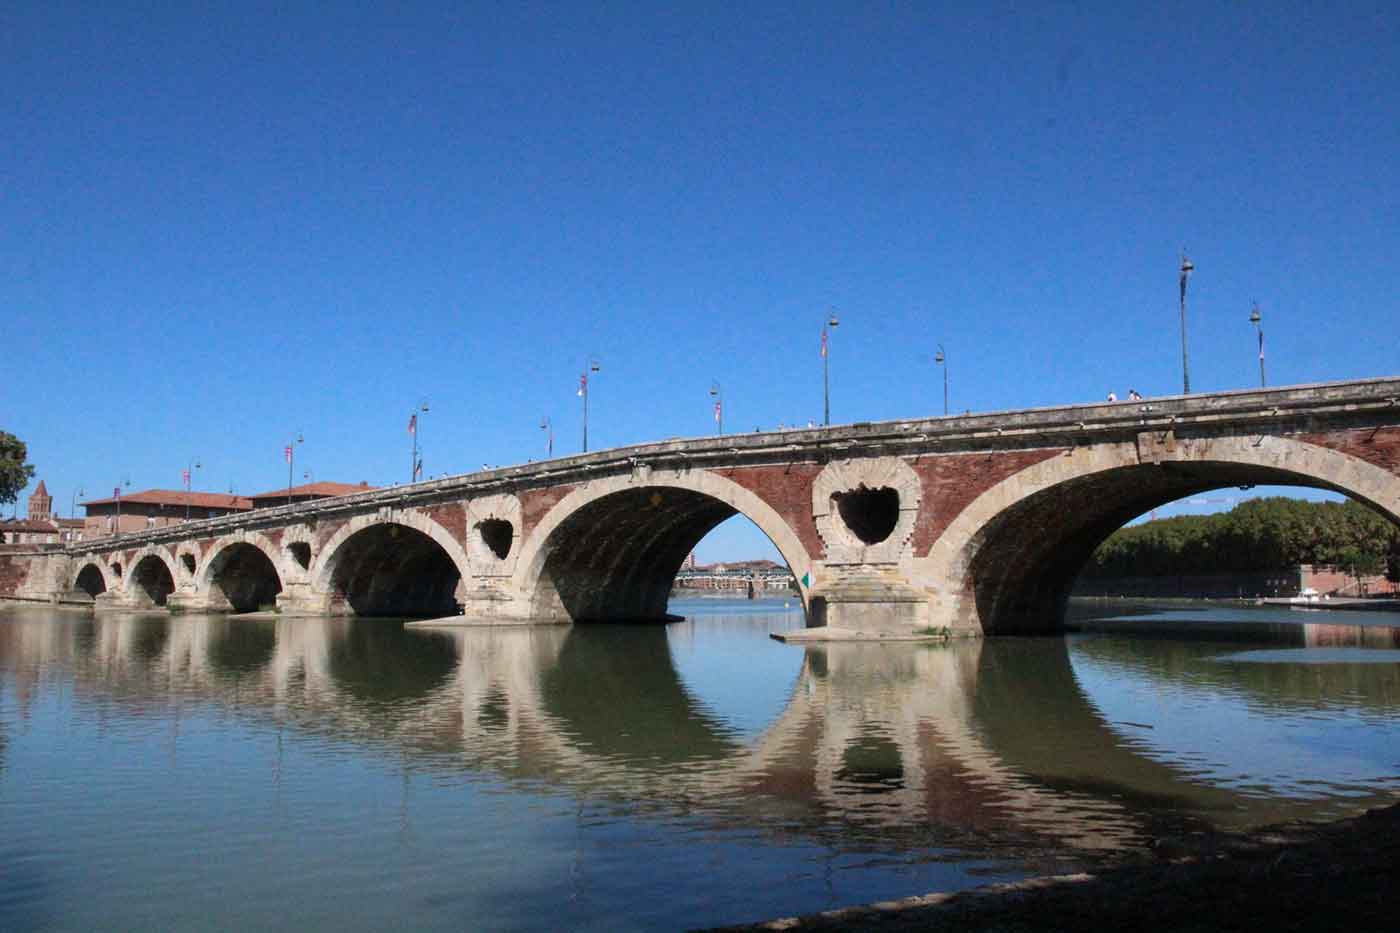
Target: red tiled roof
{"type": "Point", "coordinates": [202, 500]}
{"type": "Point", "coordinates": [24, 524]}
{"type": "Point", "coordinates": [314, 491]}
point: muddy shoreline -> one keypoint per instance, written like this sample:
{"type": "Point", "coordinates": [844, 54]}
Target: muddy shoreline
{"type": "Point", "coordinates": [1343, 875]}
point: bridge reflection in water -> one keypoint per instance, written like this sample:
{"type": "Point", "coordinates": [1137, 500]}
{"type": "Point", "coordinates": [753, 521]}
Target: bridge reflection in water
{"type": "Point", "coordinates": [971, 745]}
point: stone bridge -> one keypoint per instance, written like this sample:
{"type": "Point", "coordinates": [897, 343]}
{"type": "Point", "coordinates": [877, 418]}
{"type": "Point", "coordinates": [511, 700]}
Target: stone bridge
{"type": "Point", "coordinates": [976, 523]}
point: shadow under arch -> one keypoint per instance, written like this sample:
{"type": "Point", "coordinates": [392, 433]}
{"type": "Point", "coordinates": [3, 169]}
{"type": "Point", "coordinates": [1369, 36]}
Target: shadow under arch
{"type": "Point", "coordinates": [91, 580]}
{"type": "Point", "coordinates": [151, 581]}
{"type": "Point", "coordinates": [1029, 537]}
{"type": "Point", "coordinates": [391, 569]}
{"type": "Point", "coordinates": [241, 577]}
{"type": "Point", "coordinates": [611, 551]}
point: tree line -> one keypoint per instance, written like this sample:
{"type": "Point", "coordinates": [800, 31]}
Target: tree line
{"type": "Point", "coordinates": [1257, 535]}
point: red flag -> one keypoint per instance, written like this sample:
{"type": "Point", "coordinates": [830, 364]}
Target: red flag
{"type": "Point", "coordinates": [823, 342]}
{"type": "Point", "coordinates": [287, 453]}
{"type": "Point", "coordinates": [417, 469]}
{"type": "Point", "coordinates": [413, 423]}
{"type": "Point", "coordinates": [582, 384]}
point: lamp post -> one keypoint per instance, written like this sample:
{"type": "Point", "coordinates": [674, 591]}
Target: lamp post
{"type": "Point", "coordinates": [592, 367]}
{"type": "Point", "coordinates": [194, 464]}
{"type": "Point", "coordinates": [415, 466]}
{"type": "Point", "coordinates": [73, 505]}
{"type": "Point", "coordinates": [826, 369]}
{"type": "Point", "coordinates": [291, 458]}
{"type": "Point", "coordinates": [548, 427]}
{"type": "Point", "coordinates": [717, 393]}
{"type": "Point", "coordinates": [1256, 319]}
{"type": "Point", "coordinates": [1186, 269]}
{"type": "Point", "coordinates": [942, 360]}
{"type": "Point", "coordinates": [127, 483]}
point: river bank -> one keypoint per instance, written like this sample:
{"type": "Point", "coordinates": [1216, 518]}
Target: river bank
{"type": "Point", "coordinates": [1297, 876]}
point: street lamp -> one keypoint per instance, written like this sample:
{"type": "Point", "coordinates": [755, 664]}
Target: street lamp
{"type": "Point", "coordinates": [290, 453]}
{"type": "Point", "coordinates": [127, 483]}
{"type": "Point", "coordinates": [826, 370]}
{"type": "Point", "coordinates": [942, 360]}
{"type": "Point", "coordinates": [415, 466]}
{"type": "Point", "coordinates": [73, 506]}
{"type": "Point", "coordinates": [194, 464]}
{"type": "Point", "coordinates": [592, 367]}
{"type": "Point", "coordinates": [717, 393]}
{"type": "Point", "coordinates": [1256, 318]}
{"type": "Point", "coordinates": [548, 427]}
{"type": "Point", "coordinates": [1186, 269]}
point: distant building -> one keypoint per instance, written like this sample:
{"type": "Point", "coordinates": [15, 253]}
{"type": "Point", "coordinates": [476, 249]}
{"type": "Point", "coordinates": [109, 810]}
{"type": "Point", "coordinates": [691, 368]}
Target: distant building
{"type": "Point", "coordinates": [156, 508]}
{"type": "Point", "coordinates": [306, 493]}
{"type": "Point", "coordinates": [41, 526]}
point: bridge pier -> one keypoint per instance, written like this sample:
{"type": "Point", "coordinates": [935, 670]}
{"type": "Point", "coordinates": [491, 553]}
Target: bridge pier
{"type": "Point", "coordinates": [869, 600]}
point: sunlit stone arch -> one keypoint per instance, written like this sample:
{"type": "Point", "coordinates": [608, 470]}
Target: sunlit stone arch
{"type": "Point", "coordinates": [1114, 483]}
{"type": "Point", "coordinates": [160, 552]}
{"type": "Point", "coordinates": [103, 564]}
{"type": "Point", "coordinates": [219, 551]}
{"type": "Point", "coordinates": [536, 550]}
{"type": "Point", "coordinates": [324, 563]}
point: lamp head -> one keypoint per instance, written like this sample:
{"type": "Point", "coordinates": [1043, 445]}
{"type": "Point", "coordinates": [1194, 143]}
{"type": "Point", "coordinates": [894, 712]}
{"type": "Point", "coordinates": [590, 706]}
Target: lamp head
{"type": "Point", "coordinates": [1254, 316]}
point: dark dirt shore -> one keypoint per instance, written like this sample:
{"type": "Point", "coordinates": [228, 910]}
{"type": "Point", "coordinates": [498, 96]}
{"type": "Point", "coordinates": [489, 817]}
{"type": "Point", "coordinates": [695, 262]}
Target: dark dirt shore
{"type": "Point", "coordinates": [1308, 877]}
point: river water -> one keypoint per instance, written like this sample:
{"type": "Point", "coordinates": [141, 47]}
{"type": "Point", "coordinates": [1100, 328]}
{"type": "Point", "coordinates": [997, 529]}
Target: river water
{"type": "Point", "coordinates": [208, 772]}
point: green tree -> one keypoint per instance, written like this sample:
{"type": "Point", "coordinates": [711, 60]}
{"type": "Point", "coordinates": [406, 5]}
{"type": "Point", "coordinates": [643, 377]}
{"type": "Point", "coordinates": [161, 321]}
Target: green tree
{"type": "Point", "coordinates": [15, 474]}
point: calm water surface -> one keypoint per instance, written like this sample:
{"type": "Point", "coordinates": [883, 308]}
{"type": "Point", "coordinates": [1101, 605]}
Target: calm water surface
{"type": "Point", "coordinates": [205, 772]}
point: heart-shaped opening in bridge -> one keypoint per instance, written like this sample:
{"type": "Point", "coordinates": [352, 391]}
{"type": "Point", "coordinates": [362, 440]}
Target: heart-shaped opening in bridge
{"type": "Point", "coordinates": [870, 514]}
{"type": "Point", "coordinates": [497, 535]}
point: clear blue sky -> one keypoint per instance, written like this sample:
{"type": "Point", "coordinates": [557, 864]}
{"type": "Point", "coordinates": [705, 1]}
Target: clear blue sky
{"type": "Point", "coordinates": [221, 224]}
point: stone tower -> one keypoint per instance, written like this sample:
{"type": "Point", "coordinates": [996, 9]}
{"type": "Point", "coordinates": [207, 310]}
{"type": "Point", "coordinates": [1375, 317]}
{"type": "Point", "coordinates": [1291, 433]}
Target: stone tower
{"type": "Point", "coordinates": [41, 505]}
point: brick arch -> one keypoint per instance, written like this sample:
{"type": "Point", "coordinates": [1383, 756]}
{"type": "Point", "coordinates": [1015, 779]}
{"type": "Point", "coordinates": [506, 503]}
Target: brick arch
{"type": "Point", "coordinates": [324, 564]}
{"type": "Point", "coordinates": [239, 590]}
{"type": "Point", "coordinates": [131, 570]}
{"type": "Point", "coordinates": [1006, 563]}
{"type": "Point", "coordinates": [637, 574]}
{"type": "Point", "coordinates": [109, 580]}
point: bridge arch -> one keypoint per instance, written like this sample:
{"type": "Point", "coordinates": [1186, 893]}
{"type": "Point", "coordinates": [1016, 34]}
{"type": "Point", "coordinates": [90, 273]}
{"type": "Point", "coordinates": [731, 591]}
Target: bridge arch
{"type": "Point", "coordinates": [1011, 557]}
{"type": "Point", "coordinates": [93, 577]}
{"type": "Point", "coordinates": [402, 564]}
{"type": "Point", "coordinates": [151, 578]}
{"type": "Point", "coordinates": [611, 548]}
{"type": "Point", "coordinates": [242, 573]}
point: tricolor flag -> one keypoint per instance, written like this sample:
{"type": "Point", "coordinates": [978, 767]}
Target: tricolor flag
{"type": "Point", "coordinates": [287, 453]}
{"type": "Point", "coordinates": [413, 423]}
{"type": "Point", "coordinates": [718, 415]}
{"type": "Point", "coordinates": [823, 341]}
{"type": "Point", "coordinates": [582, 385]}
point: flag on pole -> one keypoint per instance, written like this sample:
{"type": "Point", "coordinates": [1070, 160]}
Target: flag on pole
{"type": "Point", "coordinates": [717, 412]}
{"type": "Point", "coordinates": [413, 423]}
{"type": "Point", "coordinates": [823, 341]}
{"type": "Point", "coordinates": [417, 470]}
{"type": "Point", "coordinates": [185, 475]}
{"type": "Point", "coordinates": [1261, 345]}
{"type": "Point", "coordinates": [287, 453]}
{"type": "Point", "coordinates": [117, 492]}
{"type": "Point", "coordinates": [582, 384]}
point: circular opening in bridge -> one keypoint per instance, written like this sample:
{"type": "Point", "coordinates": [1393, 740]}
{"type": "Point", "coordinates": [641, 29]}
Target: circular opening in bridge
{"type": "Point", "coordinates": [151, 581]}
{"type": "Point", "coordinates": [870, 514]}
{"type": "Point", "coordinates": [188, 561]}
{"type": "Point", "coordinates": [301, 553]}
{"type": "Point", "coordinates": [497, 534]}
{"type": "Point", "coordinates": [90, 581]}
